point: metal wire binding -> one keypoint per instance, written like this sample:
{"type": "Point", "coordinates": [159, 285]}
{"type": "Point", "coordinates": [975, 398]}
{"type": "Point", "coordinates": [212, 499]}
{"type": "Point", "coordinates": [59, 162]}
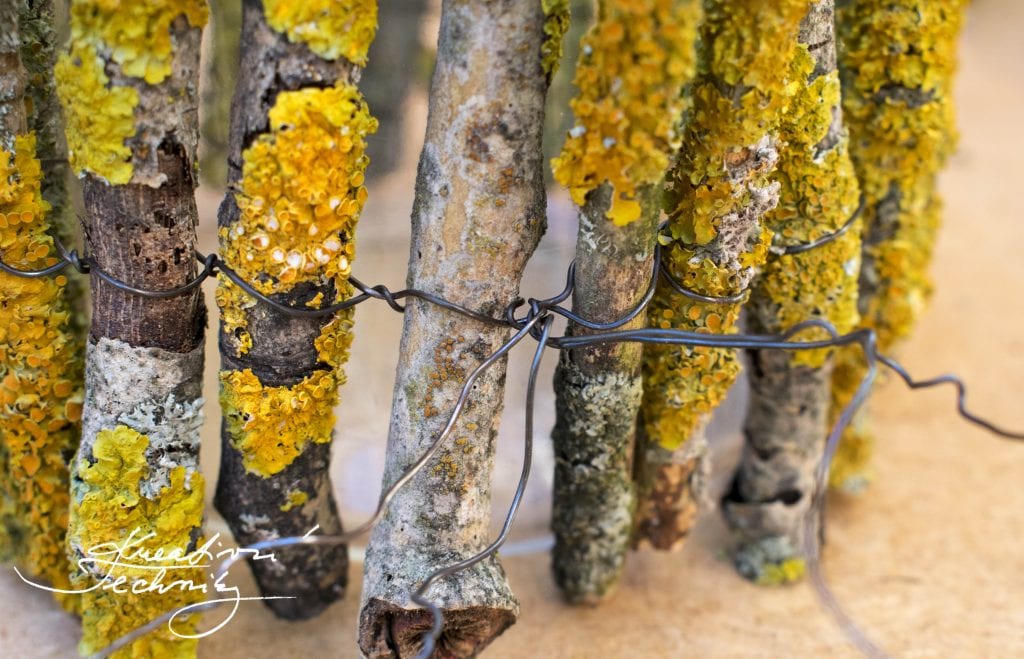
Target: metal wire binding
{"type": "Point", "coordinates": [537, 323]}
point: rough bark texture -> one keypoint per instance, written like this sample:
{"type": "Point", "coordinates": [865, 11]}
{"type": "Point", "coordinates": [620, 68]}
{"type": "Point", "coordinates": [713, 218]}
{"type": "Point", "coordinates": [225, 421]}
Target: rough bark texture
{"type": "Point", "coordinates": [137, 467]}
{"type": "Point", "coordinates": [719, 191]}
{"type": "Point", "coordinates": [12, 79]}
{"type": "Point", "coordinates": [635, 63]}
{"type": "Point", "coordinates": [478, 215]}
{"type": "Point", "coordinates": [41, 369]}
{"type": "Point", "coordinates": [786, 425]}
{"type": "Point", "coordinates": [283, 352]}
{"type": "Point", "coordinates": [897, 61]}
{"type": "Point", "coordinates": [396, 64]}
{"type": "Point", "coordinates": [597, 396]}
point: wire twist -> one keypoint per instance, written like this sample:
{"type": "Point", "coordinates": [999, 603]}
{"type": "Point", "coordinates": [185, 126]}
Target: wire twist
{"type": "Point", "coordinates": [537, 322]}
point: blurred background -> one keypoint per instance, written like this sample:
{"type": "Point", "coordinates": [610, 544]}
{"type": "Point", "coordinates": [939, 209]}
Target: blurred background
{"type": "Point", "coordinates": [927, 560]}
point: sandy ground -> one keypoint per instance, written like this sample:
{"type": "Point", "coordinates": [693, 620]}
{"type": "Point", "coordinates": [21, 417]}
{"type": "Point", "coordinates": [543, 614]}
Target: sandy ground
{"type": "Point", "coordinates": [927, 560]}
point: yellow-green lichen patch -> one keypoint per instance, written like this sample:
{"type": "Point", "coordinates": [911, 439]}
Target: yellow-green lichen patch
{"type": "Point", "coordinates": [40, 374]}
{"type": "Point", "coordinates": [897, 61]}
{"type": "Point", "coordinates": [270, 426]}
{"type": "Point", "coordinates": [331, 28]}
{"type": "Point", "coordinates": [633, 65]}
{"type": "Point", "coordinates": [98, 117]}
{"type": "Point", "coordinates": [556, 24]}
{"type": "Point", "coordinates": [302, 191]}
{"type": "Point", "coordinates": [300, 197]}
{"type": "Point", "coordinates": [294, 499]}
{"type": "Point", "coordinates": [111, 513]}
{"type": "Point", "coordinates": [717, 194]}
{"type": "Point", "coordinates": [135, 35]}
{"type": "Point", "coordinates": [789, 571]}
{"type": "Point", "coordinates": [818, 194]}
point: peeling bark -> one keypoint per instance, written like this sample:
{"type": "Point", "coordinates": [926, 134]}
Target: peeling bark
{"type": "Point", "coordinates": [786, 425]}
{"type": "Point", "coordinates": [478, 215]}
{"type": "Point", "coordinates": [280, 351]}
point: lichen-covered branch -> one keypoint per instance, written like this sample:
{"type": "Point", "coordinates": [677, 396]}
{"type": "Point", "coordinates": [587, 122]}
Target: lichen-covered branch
{"type": "Point", "coordinates": [41, 365]}
{"type": "Point", "coordinates": [478, 214]}
{"type": "Point", "coordinates": [897, 61]}
{"type": "Point", "coordinates": [128, 88]}
{"type": "Point", "coordinates": [297, 162]}
{"type": "Point", "coordinates": [635, 61]}
{"type": "Point", "coordinates": [719, 191]}
{"type": "Point", "coordinates": [786, 425]}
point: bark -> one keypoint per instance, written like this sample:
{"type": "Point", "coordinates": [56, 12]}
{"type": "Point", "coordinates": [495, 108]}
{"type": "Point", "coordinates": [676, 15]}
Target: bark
{"type": "Point", "coordinates": [287, 492]}
{"type": "Point", "coordinates": [786, 425]}
{"type": "Point", "coordinates": [478, 215]}
{"type": "Point", "coordinates": [137, 468]}
{"type": "Point", "coordinates": [882, 87]}
{"type": "Point", "coordinates": [597, 396]}
{"type": "Point", "coordinates": [719, 192]}
{"type": "Point", "coordinates": [598, 389]}
{"type": "Point", "coordinates": [41, 373]}
{"type": "Point", "coordinates": [396, 63]}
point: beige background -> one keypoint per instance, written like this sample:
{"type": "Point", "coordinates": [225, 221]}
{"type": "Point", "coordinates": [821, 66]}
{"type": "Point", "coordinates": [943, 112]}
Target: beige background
{"type": "Point", "coordinates": [927, 560]}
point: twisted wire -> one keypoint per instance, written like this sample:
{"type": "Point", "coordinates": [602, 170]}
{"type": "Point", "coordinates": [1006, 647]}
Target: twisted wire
{"type": "Point", "coordinates": [536, 322]}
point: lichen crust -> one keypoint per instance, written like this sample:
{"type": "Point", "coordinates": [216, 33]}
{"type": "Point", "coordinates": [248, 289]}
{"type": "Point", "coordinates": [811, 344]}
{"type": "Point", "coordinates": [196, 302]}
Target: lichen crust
{"type": "Point", "coordinates": [633, 65]}
{"type": "Point", "coordinates": [897, 61]}
{"type": "Point", "coordinates": [40, 377]}
{"type": "Point", "coordinates": [300, 197]}
{"type": "Point", "coordinates": [717, 194]}
{"type": "Point", "coordinates": [112, 513]}
{"type": "Point", "coordinates": [330, 28]}
{"type": "Point", "coordinates": [99, 115]}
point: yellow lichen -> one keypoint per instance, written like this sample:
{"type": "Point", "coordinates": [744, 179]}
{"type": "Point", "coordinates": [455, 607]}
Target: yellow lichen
{"type": "Point", "coordinates": [818, 194]}
{"type": "Point", "coordinates": [633, 65]}
{"type": "Point", "coordinates": [556, 23]}
{"type": "Point", "coordinates": [331, 28]}
{"type": "Point", "coordinates": [40, 375]}
{"type": "Point", "coordinates": [270, 426]}
{"type": "Point", "coordinates": [300, 197]}
{"type": "Point", "coordinates": [98, 117]}
{"type": "Point", "coordinates": [302, 191]}
{"type": "Point", "coordinates": [897, 59]}
{"type": "Point", "coordinates": [295, 498]}
{"type": "Point", "coordinates": [110, 514]}
{"type": "Point", "coordinates": [135, 35]}
{"type": "Point", "coordinates": [748, 66]}
{"type": "Point", "coordinates": [788, 571]}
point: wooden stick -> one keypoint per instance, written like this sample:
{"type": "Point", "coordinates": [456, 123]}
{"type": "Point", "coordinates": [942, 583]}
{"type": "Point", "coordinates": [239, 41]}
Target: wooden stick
{"type": "Point", "coordinates": [130, 106]}
{"type": "Point", "coordinates": [636, 60]}
{"type": "Point", "coordinates": [720, 190]}
{"type": "Point", "coordinates": [296, 167]}
{"type": "Point", "coordinates": [786, 425]}
{"type": "Point", "coordinates": [897, 61]}
{"type": "Point", "coordinates": [478, 215]}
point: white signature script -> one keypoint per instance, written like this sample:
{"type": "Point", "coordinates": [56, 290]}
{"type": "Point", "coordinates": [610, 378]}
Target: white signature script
{"type": "Point", "coordinates": [104, 558]}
